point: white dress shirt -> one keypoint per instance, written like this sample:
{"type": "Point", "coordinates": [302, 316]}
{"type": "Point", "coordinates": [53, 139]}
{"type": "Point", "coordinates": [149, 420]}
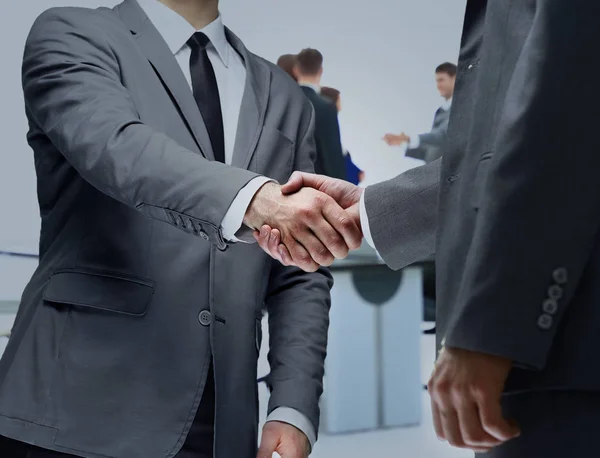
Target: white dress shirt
{"type": "Point", "coordinates": [415, 140]}
{"type": "Point", "coordinates": [230, 72]}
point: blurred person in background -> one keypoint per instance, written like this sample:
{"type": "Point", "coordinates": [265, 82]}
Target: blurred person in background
{"type": "Point", "coordinates": [330, 157]}
{"type": "Point", "coordinates": [353, 174]}
{"type": "Point", "coordinates": [287, 62]}
{"type": "Point", "coordinates": [429, 147]}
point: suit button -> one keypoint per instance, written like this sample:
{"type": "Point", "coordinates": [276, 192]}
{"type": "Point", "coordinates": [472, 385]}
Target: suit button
{"type": "Point", "coordinates": [550, 306]}
{"type": "Point", "coordinates": [204, 235]}
{"type": "Point", "coordinates": [545, 321]}
{"type": "Point", "coordinates": [205, 318]}
{"type": "Point", "coordinates": [555, 292]}
{"type": "Point", "coordinates": [560, 276]}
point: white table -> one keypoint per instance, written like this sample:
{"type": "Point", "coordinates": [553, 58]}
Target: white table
{"type": "Point", "coordinates": [373, 376]}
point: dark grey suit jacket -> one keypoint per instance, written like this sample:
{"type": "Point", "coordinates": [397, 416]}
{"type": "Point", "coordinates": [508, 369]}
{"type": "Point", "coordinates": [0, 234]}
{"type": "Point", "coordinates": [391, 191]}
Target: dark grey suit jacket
{"type": "Point", "coordinates": [518, 250]}
{"type": "Point", "coordinates": [110, 349]}
{"type": "Point", "coordinates": [330, 156]}
{"type": "Point", "coordinates": [431, 144]}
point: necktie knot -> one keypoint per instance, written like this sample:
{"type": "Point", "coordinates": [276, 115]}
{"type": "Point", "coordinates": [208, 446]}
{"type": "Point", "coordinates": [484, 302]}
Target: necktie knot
{"type": "Point", "coordinates": [198, 40]}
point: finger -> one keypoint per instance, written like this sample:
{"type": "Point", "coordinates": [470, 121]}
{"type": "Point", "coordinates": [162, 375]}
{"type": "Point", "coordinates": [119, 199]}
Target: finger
{"type": "Point", "coordinates": [451, 428]}
{"type": "Point", "coordinates": [299, 255]}
{"type": "Point", "coordinates": [344, 225]}
{"type": "Point", "coordinates": [437, 421]}
{"type": "Point", "coordinates": [314, 244]}
{"type": "Point", "coordinates": [286, 257]}
{"type": "Point", "coordinates": [274, 242]}
{"type": "Point", "coordinates": [471, 429]}
{"type": "Point", "coordinates": [300, 180]}
{"type": "Point", "coordinates": [493, 422]}
{"type": "Point", "coordinates": [268, 444]}
{"type": "Point", "coordinates": [263, 237]}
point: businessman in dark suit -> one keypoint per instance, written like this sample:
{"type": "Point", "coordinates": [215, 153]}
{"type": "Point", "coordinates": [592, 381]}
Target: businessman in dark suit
{"type": "Point", "coordinates": [429, 146]}
{"type": "Point", "coordinates": [518, 244]}
{"type": "Point", "coordinates": [139, 332]}
{"type": "Point", "coordinates": [330, 156]}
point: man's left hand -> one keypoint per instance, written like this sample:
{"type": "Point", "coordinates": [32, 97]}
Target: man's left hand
{"type": "Point", "coordinates": [466, 389]}
{"type": "Point", "coordinates": [286, 440]}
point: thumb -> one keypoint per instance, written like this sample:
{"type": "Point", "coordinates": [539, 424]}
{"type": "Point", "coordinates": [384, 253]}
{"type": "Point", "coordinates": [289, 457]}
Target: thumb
{"type": "Point", "coordinates": [299, 180]}
{"type": "Point", "coordinates": [268, 445]}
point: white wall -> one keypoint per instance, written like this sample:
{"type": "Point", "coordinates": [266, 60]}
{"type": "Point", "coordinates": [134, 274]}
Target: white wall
{"type": "Point", "coordinates": [381, 54]}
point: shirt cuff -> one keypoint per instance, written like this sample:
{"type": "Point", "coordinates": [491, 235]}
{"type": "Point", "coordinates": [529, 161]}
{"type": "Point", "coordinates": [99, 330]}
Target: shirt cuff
{"type": "Point", "coordinates": [364, 221]}
{"type": "Point", "coordinates": [232, 225]}
{"type": "Point", "coordinates": [415, 141]}
{"type": "Point", "coordinates": [296, 419]}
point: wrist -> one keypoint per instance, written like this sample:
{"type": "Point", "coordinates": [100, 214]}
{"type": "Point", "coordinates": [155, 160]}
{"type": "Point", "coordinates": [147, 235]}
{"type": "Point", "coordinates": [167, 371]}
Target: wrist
{"type": "Point", "coordinates": [262, 205]}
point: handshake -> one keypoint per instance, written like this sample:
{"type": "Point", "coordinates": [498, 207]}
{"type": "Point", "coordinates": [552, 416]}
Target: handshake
{"type": "Point", "coordinates": [308, 222]}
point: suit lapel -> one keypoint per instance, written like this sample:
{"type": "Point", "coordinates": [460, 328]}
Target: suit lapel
{"type": "Point", "coordinates": [165, 64]}
{"type": "Point", "coordinates": [254, 104]}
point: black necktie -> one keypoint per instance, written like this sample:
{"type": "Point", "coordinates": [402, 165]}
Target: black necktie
{"type": "Point", "coordinates": [206, 92]}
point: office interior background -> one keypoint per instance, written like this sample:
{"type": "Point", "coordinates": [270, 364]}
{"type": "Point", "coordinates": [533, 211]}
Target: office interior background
{"type": "Point", "coordinates": [381, 55]}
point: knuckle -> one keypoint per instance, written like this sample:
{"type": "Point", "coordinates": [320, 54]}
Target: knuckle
{"type": "Point", "coordinates": [335, 241]}
{"type": "Point", "coordinates": [322, 252]}
{"type": "Point", "coordinates": [303, 257]}
{"type": "Point", "coordinates": [307, 212]}
{"type": "Point", "coordinates": [442, 386]}
{"type": "Point", "coordinates": [479, 393]}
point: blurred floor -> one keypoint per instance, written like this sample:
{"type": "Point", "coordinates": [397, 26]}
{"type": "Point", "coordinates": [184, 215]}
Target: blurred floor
{"type": "Point", "coordinates": [417, 442]}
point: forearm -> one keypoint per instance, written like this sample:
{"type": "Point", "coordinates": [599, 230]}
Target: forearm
{"type": "Point", "coordinates": [402, 215]}
{"type": "Point", "coordinates": [298, 307]}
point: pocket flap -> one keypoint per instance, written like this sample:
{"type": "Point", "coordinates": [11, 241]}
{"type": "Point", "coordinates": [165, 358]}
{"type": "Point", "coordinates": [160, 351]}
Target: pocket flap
{"type": "Point", "coordinates": [103, 291]}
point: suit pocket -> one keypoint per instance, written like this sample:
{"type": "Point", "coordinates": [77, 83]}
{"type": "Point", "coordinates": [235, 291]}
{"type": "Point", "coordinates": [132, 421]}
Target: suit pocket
{"type": "Point", "coordinates": [101, 291]}
{"type": "Point", "coordinates": [480, 179]}
{"type": "Point", "coordinates": [274, 155]}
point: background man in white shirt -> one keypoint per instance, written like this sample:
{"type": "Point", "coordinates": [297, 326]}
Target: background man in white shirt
{"type": "Point", "coordinates": [429, 146]}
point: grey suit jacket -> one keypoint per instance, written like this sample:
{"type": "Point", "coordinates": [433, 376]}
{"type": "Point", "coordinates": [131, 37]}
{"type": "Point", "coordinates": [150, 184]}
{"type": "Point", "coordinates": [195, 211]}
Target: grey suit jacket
{"type": "Point", "coordinates": [518, 251]}
{"type": "Point", "coordinates": [432, 143]}
{"type": "Point", "coordinates": [136, 287]}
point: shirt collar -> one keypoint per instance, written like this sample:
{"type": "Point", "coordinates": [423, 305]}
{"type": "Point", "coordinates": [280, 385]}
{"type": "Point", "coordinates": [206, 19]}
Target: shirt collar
{"type": "Point", "coordinates": [314, 87]}
{"type": "Point", "coordinates": [176, 31]}
{"type": "Point", "coordinates": [447, 104]}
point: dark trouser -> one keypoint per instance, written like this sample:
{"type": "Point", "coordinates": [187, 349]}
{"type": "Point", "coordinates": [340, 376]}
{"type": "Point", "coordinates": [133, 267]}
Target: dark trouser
{"type": "Point", "coordinates": [554, 424]}
{"type": "Point", "coordinates": [198, 444]}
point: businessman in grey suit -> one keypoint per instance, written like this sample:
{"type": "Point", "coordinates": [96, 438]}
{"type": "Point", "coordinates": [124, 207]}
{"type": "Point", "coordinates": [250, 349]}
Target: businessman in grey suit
{"type": "Point", "coordinates": [518, 250]}
{"type": "Point", "coordinates": [429, 146]}
{"type": "Point", "coordinates": [138, 334]}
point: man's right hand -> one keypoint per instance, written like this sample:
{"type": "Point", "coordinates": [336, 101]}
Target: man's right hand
{"type": "Point", "coordinates": [270, 237]}
{"type": "Point", "coordinates": [395, 140]}
{"type": "Point", "coordinates": [314, 228]}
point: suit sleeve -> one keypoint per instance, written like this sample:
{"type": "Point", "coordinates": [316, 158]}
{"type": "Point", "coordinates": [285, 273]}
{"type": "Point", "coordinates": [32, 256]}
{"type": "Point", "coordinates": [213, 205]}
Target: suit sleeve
{"type": "Point", "coordinates": [539, 212]}
{"type": "Point", "coordinates": [437, 136]}
{"type": "Point", "coordinates": [73, 93]}
{"type": "Point", "coordinates": [433, 140]}
{"type": "Point", "coordinates": [402, 215]}
{"type": "Point", "coordinates": [298, 305]}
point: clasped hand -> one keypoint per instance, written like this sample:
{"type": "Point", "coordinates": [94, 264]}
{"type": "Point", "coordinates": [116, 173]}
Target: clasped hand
{"type": "Point", "coordinates": [308, 222]}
